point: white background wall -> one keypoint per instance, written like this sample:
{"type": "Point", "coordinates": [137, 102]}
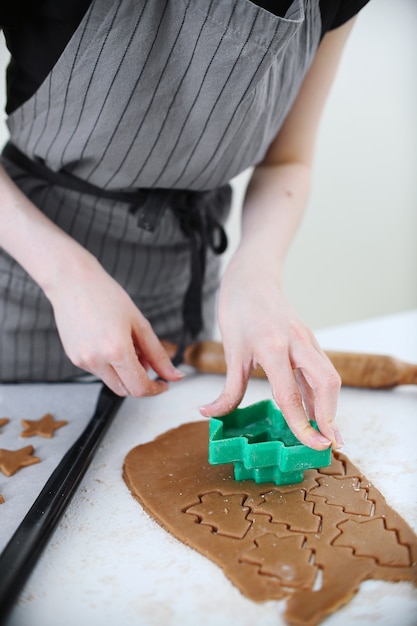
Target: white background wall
{"type": "Point", "coordinates": [355, 255]}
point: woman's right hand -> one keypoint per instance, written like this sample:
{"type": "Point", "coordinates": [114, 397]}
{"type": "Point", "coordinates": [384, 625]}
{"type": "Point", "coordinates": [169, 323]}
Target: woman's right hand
{"type": "Point", "coordinates": [104, 333]}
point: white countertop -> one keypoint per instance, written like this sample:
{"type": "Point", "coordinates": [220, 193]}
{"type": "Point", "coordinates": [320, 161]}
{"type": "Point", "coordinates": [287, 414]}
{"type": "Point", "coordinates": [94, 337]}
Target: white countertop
{"type": "Point", "coordinates": [109, 564]}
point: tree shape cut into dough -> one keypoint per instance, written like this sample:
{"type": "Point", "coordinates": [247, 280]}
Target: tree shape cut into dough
{"type": "Point", "coordinates": [284, 558]}
{"type": "Point", "coordinates": [225, 514]}
{"type": "Point", "coordinates": [291, 509]}
{"type": "Point", "coordinates": [13, 460]}
{"type": "Point", "coordinates": [371, 538]}
{"type": "Point", "coordinates": [3, 422]}
{"type": "Point", "coordinates": [336, 468]}
{"type": "Point", "coordinates": [44, 427]}
{"type": "Point", "coordinates": [345, 492]}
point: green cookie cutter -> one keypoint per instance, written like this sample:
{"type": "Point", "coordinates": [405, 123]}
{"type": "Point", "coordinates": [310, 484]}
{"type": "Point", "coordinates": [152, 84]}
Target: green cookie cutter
{"type": "Point", "coordinates": [261, 446]}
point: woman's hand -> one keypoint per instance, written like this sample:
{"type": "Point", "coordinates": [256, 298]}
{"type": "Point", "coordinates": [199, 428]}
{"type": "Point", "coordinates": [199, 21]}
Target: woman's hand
{"type": "Point", "coordinates": [258, 326]}
{"type": "Point", "coordinates": [104, 333]}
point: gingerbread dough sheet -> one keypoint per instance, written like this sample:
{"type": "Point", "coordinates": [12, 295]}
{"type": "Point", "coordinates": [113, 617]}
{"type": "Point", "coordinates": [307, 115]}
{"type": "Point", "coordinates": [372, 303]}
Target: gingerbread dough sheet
{"type": "Point", "coordinates": [312, 543]}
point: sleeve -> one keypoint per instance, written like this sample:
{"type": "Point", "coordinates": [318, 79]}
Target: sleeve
{"type": "Point", "coordinates": [334, 13]}
{"type": "Point", "coordinates": [10, 12]}
{"type": "Point", "coordinates": [347, 10]}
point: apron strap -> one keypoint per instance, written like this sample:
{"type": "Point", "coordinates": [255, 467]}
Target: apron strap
{"type": "Point", "coordinates": [149, 210]}
{"type": "Point", "coordinates": [193, 210]}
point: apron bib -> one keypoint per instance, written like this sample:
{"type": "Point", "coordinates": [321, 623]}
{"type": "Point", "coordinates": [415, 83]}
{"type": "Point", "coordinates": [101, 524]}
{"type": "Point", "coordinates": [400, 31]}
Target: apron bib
{"type": "Point", "coordinates": [150, 95]}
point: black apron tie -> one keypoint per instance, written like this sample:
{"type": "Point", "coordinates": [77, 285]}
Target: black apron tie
{"type": "Point", "coordinates": [193, 209]}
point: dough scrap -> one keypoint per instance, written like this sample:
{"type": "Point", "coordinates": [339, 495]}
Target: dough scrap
{"type": "Point", "coordinates": [44, 427]}
{"type": "Point", "coordinates": [13, 460]}
{"type": "Point", "coordinates": [308, 543]}
{"type": "Point", "coordinates": [4, 421]}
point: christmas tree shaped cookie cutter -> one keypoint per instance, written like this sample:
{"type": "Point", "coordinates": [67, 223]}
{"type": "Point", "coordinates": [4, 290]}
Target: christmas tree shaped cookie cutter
{"type": "Point", "coordinates": [261, 446]}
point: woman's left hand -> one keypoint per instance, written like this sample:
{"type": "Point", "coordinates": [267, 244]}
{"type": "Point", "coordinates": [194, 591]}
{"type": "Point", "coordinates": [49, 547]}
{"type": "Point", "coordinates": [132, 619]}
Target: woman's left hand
{"type": "Point", "coordinates": [259, 326]}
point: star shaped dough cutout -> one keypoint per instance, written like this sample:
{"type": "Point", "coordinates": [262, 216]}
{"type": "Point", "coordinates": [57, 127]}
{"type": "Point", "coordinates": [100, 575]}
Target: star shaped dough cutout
{"type": "Point", "coordinates": [13, 460]}
{"type": "Point", "coordinates": [44, 427]}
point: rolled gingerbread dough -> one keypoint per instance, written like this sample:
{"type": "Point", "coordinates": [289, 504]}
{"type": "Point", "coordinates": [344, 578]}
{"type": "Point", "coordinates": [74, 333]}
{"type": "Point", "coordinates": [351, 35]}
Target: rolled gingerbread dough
{"type": "Point", "coordinates": [312, 543]}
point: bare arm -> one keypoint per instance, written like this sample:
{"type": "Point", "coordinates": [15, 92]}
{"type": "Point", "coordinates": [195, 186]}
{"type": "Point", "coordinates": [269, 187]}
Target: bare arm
{"type": "Point", "coordinates": [257, 323]}
{"type": "Point", "coordinates": [101, 329]}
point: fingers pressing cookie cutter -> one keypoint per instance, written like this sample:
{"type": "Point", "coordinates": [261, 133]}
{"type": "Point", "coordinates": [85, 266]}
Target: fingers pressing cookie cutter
{"type": "Point", "coordinates": [261, 446]}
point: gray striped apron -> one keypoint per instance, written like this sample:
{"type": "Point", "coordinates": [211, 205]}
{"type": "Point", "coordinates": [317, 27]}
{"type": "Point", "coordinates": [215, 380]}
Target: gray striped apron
{"type": "Point", "coordinates": [166, 100]}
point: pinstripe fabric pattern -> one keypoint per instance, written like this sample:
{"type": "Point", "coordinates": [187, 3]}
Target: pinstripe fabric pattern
{"type": "Point", "coordinates": [180, 94]}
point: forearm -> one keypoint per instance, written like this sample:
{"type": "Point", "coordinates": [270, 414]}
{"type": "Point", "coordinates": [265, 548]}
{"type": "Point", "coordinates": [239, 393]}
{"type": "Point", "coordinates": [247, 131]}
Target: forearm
{"type": "Point", "coordinates": [278, 190]}
{"type": "Point", "coordinates": [272, 210]}
{"type": "Point", "coordinates": [34, 241]}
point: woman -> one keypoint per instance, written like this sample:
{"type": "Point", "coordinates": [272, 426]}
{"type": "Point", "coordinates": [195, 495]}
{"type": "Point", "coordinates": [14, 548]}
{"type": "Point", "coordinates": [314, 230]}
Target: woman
{"type": "Point", "coordinates": [127, 121]}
